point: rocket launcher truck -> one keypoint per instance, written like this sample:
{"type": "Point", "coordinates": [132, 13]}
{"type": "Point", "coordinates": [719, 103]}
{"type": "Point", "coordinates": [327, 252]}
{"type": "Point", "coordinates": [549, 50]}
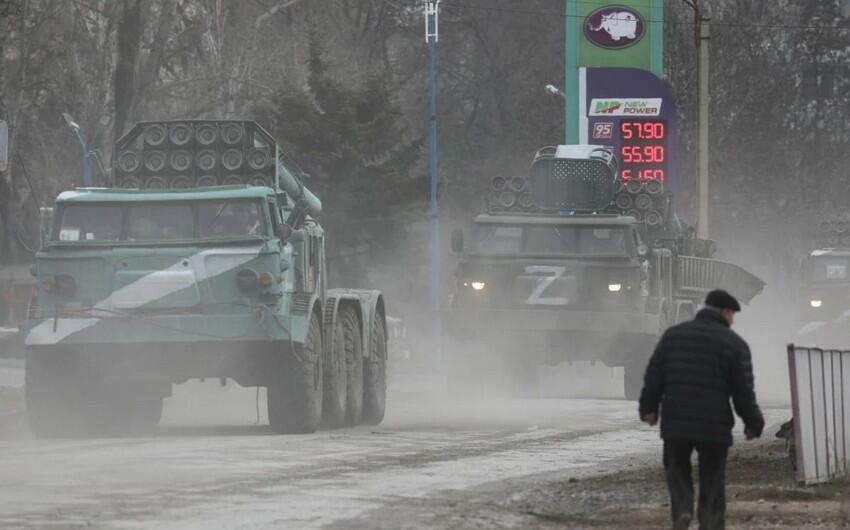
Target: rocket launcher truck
{"type": "Point", "coordinates": [574, 264]}
{"type": "Point", "coordinates": [202, 257]}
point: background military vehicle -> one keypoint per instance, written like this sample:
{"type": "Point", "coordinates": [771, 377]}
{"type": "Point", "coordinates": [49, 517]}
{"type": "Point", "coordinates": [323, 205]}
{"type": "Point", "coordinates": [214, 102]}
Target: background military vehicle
{"type": "Point", "coordinates": [572, 264]}
{"type": "Point", "coordinates": [203, 258]}
{"type": "Point", "coordinates": [823, 287]}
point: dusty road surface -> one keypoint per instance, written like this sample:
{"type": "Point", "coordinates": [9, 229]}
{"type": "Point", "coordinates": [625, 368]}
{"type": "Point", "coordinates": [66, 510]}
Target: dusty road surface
{"type": "Point", "coordinates": [207, 466]}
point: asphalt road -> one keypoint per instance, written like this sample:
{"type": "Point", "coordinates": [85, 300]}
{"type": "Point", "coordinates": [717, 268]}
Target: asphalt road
{"type": "Point", "coordinates": [210, 466]}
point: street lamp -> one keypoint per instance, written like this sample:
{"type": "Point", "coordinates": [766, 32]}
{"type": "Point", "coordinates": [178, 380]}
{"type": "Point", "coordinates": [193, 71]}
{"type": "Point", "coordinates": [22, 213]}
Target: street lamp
{"type": "Point", "coordinates": [87, 175]}
{"type": "Point", "coordinates": [432, 25]}
{"type": "Point", "coordinates": [554, 91]}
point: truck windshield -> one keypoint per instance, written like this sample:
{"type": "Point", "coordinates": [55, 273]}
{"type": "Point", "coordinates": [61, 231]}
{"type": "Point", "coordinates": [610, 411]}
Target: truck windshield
{"type": "Point", "coordinates": [499, 239]}
{"type": "Point", "coordinates": [552, 239]}
{"type": "Point", "coordinates": [178, 221]}
{"type": "Point", "coordinates": [827, 269]}
{"type": "Point", "coordinates": [160, 222]}
{"type": "Point", "coordinates": [90, 223]}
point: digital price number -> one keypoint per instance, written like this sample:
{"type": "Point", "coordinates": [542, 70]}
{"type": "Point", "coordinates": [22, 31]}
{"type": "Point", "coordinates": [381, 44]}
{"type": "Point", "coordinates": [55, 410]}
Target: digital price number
{"type": "Point", "coordinates": [643, 150]}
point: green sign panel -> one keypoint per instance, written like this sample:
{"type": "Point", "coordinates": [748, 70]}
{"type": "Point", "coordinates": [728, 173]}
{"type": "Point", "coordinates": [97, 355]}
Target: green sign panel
{"type": "Point", "coordinates": [615, 34]}
{"type": "Point", "coordinates": [618, 33]}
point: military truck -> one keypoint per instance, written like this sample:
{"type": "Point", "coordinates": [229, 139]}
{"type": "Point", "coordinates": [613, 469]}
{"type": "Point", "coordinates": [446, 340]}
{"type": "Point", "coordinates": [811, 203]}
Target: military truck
{"type": "Point", "coordinates": [824, 291]}
{"type": "Point", "coordinates": [822, 285]}
{"type": "Point", "coordinates": [572, 264]}
{"type": "Point", "coordinates": [822, 294]}
{"type": "Point", "coordinates": [201, 258]}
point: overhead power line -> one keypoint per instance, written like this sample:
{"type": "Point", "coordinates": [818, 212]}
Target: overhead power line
{"type": "Point", "coordinates": [668, 21]}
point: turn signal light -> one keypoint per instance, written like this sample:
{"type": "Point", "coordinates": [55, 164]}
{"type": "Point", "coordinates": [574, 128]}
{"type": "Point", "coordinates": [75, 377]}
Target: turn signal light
{"type": "Point", "coordinates": [266, 279]}
{"type": "Point", "coordinates": [61, 284]}
{"type": "Point", "coordinates": [48, 284]}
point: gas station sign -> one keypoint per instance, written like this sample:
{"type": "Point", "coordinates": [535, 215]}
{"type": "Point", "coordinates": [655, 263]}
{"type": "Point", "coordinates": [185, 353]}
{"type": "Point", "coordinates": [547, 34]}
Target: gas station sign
{"type": "Point", "coordinates": [633, 111]}
{"type": "Point", "coordinates": [643, 150]}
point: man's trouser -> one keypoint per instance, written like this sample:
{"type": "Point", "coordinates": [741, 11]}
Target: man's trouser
{"type": "Point", "coordinates": [712, 476]}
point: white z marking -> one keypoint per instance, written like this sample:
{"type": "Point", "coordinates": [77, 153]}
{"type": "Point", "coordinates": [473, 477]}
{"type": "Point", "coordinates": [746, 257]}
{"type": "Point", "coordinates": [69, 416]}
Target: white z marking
{"type": "Point", "coordinates": [546, 276]}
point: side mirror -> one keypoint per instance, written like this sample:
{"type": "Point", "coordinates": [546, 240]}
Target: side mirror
{"type": "Point", "coordinates": [457, 240]}
{"type": "Point", "coordinates": [284, 232]}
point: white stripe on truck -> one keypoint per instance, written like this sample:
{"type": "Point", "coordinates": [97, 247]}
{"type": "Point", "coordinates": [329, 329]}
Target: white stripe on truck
{"type": "Point", "coordinates": [141, 291]}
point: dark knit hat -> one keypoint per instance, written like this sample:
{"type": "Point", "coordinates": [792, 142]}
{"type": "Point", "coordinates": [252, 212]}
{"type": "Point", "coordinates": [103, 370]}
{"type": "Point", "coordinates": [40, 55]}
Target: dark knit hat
{"type": "Point", "coordinates": [722, 300]}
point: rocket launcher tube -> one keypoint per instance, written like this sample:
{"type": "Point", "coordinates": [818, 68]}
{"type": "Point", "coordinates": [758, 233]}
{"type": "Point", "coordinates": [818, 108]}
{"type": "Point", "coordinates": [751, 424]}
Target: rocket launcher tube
{"type": "Point", "coordinates": [296, 190]}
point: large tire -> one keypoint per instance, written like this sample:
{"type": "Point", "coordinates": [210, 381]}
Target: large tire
{"type": "Point", "coordinates": [635, 368]}
{"type": "Point", "coordinates": [353, 341]}
{"type": "Point", "coordinates": [633, 381]}
{"type": "Point", "coordinates": [295, 396]}
{"type": "Point", "coordinates": [375, 374]}
{"type": "Point", "coordinates": [140, 413]}
{"type": "Point", "coordinates": [335, 378]}
{"type": "Point", "coordinates": [54, 397]}
{"type": "Point", "coordinates": [524, 374]}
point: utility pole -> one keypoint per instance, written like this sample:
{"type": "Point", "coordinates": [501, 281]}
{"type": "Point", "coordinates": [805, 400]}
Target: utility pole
{"type": "Point", "coordinates": [432, 12]}
{"type": "Point", "coordinates": [702, 37]}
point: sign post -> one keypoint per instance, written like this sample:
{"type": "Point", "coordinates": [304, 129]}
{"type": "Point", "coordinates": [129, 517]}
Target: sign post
{"type": "Point", "coordinates": [571, 84]}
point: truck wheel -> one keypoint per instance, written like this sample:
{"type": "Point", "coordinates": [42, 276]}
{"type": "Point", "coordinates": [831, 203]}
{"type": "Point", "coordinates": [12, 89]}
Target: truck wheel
{"type": "Point", "coordinates": [335, 379]}
{"type": "Point", "coordinates": [295, 397]}
{"type": "Point", "coordinates": [63, 398]}
{"type": "Point", "coordinates": [375, 375]}
{"type": "Point", "coordinates": [142, 412]}
{"type": "Point", "coordinates": [353, 342]}
{"type": "Point", "coordinates": [633, 381]}
{"type": "Point", "coordinates": [52, 406]}
{"type": "Point", "coordinates": [131, 413]}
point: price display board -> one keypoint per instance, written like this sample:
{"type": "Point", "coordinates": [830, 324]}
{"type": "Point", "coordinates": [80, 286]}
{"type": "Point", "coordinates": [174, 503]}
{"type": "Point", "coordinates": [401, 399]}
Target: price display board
{"type": "Point", "coordinates": [643, 149]}
{"type": "Point", "coordinates": [633, 112]}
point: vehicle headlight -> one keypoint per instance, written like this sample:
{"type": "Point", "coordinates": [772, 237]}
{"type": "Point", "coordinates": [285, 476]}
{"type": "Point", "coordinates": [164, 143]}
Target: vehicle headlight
{"type": "Point", "coordinates": [615, 287]}
{"type": "Point", "coordinates": [478, 286]}
{"type": "Point", "coordinates": [816, 303]}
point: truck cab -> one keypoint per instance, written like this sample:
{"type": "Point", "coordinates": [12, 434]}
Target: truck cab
{"type": "Point", "coordinates": [581, 262]}
{"type": "Point", "coordinates": [573, 264]}
{"type": "Point", "coordinates": [823, 293]}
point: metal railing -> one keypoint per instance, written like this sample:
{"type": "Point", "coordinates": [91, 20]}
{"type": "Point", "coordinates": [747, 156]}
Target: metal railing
{"type": "Point", "coordinates": [663, 280]}
{"type": "Point", "coordinates": [820, 399]}
{"type": "Point", "coordinates": [698, 276]}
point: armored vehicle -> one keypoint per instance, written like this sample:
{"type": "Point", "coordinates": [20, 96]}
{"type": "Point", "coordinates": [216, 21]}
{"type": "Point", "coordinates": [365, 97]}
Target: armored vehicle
{"type": "Point", "coordinates": [573, 264]}
{"type": "Point", "coordinates": [822, 287]}
{"type": "Point", "coordinates": [202, 258]}
{"type": "Point", "coordinates": [823, 296]}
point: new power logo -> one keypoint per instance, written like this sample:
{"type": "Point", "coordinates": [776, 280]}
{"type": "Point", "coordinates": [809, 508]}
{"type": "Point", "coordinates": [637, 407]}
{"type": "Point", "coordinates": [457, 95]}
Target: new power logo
{"type": "Point", "coordinates": [625, 107]}
{"type": "Point", "coordinates": [601, 107]}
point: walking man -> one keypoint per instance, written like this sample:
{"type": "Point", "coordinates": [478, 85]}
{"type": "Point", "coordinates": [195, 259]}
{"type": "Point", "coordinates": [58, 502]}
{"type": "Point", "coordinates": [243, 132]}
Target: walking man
{"type": "Point", "coordinates": [696, 367]}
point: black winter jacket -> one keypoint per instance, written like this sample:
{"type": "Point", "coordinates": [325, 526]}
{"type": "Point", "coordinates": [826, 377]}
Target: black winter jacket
{"type": "Point", "coordinates": [694, 370]}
